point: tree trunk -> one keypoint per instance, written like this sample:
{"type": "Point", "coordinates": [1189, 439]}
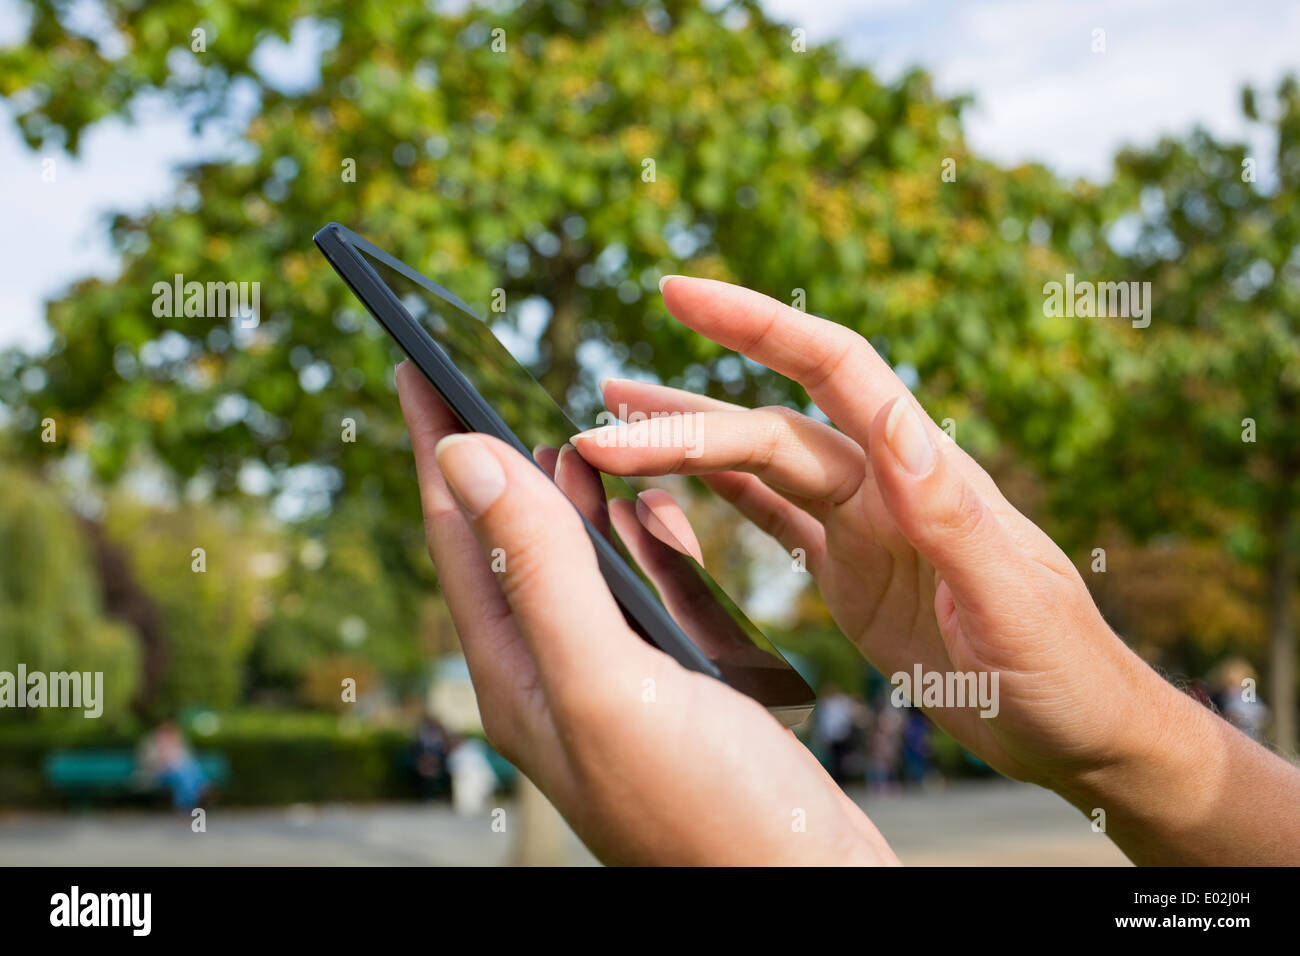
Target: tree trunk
{"type": "Point", "coordinates": [127, 601]}
{"type": "Point", "coordinates": [1281, 643]}
{"type": "Point", "coordinates": [540, 832]}
{"type": "Point", "coordinates": [561, 336]}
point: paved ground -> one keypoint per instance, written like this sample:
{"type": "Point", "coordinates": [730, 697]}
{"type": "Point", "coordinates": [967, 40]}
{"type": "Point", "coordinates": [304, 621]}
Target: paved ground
{"type": "Point", "coordinates": [989, 824]}
{"type": "Point", "coordinates": [969, 824]}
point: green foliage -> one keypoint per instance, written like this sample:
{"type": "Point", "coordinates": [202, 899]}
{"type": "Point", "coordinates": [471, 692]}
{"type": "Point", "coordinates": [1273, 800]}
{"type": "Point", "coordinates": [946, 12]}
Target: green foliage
{"type": "Point", "coordinates": [1220, 252]}
{"type": "Point", "coordinates": [318, 769]}
{"type": "Point", "coordinates": [336, 603]}
{"type": "Point", "coordinates": [528, 170]}
{"type": "Point", "coordinates": [208, 614]}
{"type": "Point", "coordinates": [51, 617]}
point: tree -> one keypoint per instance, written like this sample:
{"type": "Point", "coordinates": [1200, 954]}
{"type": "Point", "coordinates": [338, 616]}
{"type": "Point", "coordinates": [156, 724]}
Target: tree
{"type": "Point", "coordinates": [196, 562]}
{"type": "Point", "coordinates": [556, 159]}
{"type": "Point", "coordinates": [568, 161]}
{"type": "Point", "coordinates": [51, 615]}
{"type": "Point", "coordinates": [1203, 435]}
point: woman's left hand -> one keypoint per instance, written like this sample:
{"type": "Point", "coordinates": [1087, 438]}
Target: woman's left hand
{"type": "Point", "coordinates": [649, 762]}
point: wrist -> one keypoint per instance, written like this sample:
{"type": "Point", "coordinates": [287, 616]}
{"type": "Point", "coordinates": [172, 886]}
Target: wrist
{"type": "Point", "coordinates": [1123, 719]}
{"type": "Point", "coordinates": [1146, 790]}
{"type": "Point", "coordinates": [1153, 722]}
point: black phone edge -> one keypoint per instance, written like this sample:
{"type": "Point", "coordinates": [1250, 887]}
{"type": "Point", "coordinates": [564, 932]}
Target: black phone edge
{"type": "Point", "coordinates": [642, 609]}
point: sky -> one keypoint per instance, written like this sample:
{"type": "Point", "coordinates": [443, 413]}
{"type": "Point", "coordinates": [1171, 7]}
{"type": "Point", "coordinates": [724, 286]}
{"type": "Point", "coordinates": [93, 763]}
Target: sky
{"type": "Point", "coordinates": [1041, 93]}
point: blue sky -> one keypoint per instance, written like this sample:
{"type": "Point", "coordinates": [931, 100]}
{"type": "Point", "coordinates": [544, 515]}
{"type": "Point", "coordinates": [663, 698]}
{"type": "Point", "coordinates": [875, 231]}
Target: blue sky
{"type": "Point", "coordinates": [1041, 94]}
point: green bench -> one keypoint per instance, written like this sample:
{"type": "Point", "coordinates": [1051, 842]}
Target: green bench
{"type": "Point", "coordinates": [105, 774]}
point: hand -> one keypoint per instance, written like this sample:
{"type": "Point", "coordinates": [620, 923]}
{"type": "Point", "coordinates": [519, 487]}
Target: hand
{"type": "Point", "coordinates": [660, 541]}
{"type": "Point", "coordinates": [921, 560]}
{"type": "Point", "coordinates": [649, 762]}
{"type": "Point", "coordinates": [918, 555]}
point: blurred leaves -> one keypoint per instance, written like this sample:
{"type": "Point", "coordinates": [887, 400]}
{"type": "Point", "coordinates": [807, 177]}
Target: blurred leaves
{"type": "Point", "coordinates": [51, 614]}
{"type": "Point", "coordinates": [610, 143]}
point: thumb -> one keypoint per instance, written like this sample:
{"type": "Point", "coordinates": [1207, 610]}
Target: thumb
{"type": "Point", "coordinates": [544, 563]}
{"type": "Point", "coordinates": [942, 514]}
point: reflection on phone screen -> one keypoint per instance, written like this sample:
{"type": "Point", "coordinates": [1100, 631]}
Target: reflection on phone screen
{"type": "Point", "coordinates": [746, 658]}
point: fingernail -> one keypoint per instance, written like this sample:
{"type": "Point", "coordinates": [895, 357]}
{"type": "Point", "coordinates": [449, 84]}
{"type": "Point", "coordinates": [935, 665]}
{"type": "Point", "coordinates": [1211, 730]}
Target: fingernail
{"type": "Point", "coordinates": [565, 449]}
{"type": "Point", "coordinates": [643, 512]}
{"type": "Point", "coordinates": [473, 473]}
{"type": "Point", "coordinates": [602, 435]}
{"type": "Point", "coordinates": [906, 437]}
{"type": "Point", "coordinates": [663, 281]}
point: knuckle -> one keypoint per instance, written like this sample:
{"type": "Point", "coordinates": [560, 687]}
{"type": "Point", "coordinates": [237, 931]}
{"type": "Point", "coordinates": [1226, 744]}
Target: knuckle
{"type": "Point", "coordinates": [789, 416]}
{"type": "Point", "coordinates": [774, 426]}
{"type": "Point", "coordinates": [777, 525]}
{"type": "Point", "coordinates": [497, 616]}
{"type": "Point", "coordinates": [853, 466]}
{"type": "Point", "coordinates": [756, 332]}
{"type": "Point", "coordinates": [965, 519]}
{"type": "Point", "coordinates": [846, 348]}
{"type": "Point", "coordinates": [677, 464]}
{"type": "Point", "coordinates": [524, 568]}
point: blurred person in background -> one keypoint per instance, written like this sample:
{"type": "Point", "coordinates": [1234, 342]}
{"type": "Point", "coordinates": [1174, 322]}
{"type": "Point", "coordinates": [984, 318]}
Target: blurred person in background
{"type": "Point", "coordinates": [916, 748]}
{"type": "Point", "coordinates": [473, 780]}
{"type": "Point", "coordinates": [1235, 692]}
{"type": "Point", "coordinates": [432, 743]}
{"type": "Point", "coordinates": [884, 746]}
{"type": "Point", "coordinates": [164, 760]}
{"type": "Point", "coordinates": [838, 724]}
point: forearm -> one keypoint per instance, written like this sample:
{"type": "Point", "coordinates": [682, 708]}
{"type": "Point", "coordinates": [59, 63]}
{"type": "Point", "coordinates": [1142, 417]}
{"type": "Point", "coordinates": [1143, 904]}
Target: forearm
{"type": "Point", "coordinates": [1187, 788]}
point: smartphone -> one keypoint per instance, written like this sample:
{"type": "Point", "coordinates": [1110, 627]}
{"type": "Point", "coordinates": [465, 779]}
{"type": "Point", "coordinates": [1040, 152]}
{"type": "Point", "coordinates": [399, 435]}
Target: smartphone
{"type": "Point", "coordinates": [665, 594]}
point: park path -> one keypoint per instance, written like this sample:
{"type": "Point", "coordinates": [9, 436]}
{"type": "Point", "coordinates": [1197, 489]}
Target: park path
{"type": "Point", "coordinates": [993, 823]}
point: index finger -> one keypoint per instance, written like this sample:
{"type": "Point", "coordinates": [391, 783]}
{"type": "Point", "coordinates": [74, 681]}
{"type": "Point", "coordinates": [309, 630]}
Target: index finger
{"type": "Point", "coordinates": [836, 366]}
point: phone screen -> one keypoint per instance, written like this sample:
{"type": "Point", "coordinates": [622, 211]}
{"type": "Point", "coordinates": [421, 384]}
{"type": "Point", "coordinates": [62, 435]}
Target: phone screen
{"type": "Point", "coordinates": [708, 616]}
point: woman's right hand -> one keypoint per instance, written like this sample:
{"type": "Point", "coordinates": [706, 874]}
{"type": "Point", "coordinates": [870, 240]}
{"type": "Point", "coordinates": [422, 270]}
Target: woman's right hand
{"type": "Point", "coordinates": [918, 555]}
{"type": "Point", "coordinates": [920, 558]}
